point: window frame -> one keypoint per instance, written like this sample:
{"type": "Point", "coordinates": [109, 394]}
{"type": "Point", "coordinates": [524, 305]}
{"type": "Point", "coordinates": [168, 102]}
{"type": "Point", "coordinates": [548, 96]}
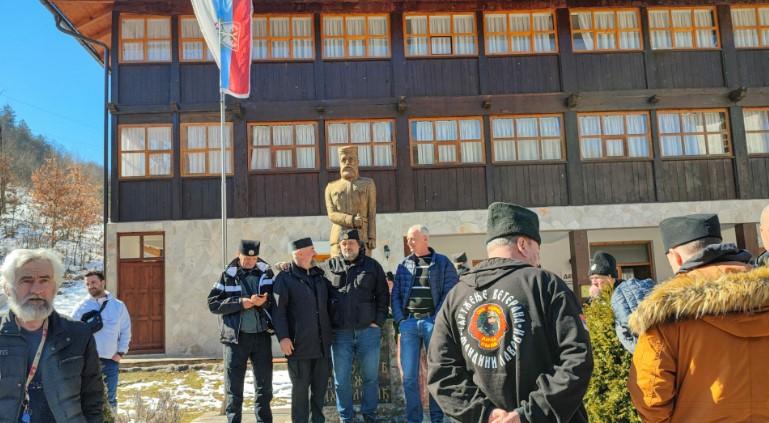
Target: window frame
{"type": "Point", "coordinates": [182, 41]}
{"type": "Point", "coordinates": [508, 34]}
{"type": "Point", "coordinates": [290, 38]}
{"type": "Point", "coordinates": [758, 27]}
{"type": "Point", "coordinates": [679, 112]}
{"type": "Point", "coordinates": [145, 152]}
{"type": "Point", "coordinates": [616, 31]}
{"type": "Point", "coordinates": [649, 251]}
{"type": "Point", "coordinates": [624, 136]}
{"type": "Point", "coordinates": [747, 131]}
{"type": "Point", "coordinates": [457, 142]}
{"type": "Point", "coordinates": [451, 34]}
{"type": "Point", "coordinates": [345, 37]}
{"type": "Point", "coordinates": [144, 40]}
{"type": "Point", "coordinates": [691, 30]}
{"type": "Point", "coordinates": [392, 143]}
{"type": "Point", "coordinates": [273, 148]}
{"type": "Point", "coordinates": [516, 139]}
{"type": "Point", "coordinates": [183, 149]}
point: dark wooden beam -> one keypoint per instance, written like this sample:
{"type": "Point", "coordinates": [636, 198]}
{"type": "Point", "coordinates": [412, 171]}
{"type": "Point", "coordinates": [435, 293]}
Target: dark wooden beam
{"type": "Point", "coordinates": [747, 237]}
{"type": "Point", "coordinates": [175, 97]}
{"type": "Point", "coordinates": [728, 50]}
{"type": "Point", "coordinates": [405, 175]}
{"type": "Point", "coordinates": [650, 65]}
{"type": "Point", "coordinates": [574, 162]}
{"type": "Point", "coordinates": [114, 98]}
{"type": "Point", "coordinates": [579, 257]}
{"type": "Point", "coordinates": [566, 61]}
{"type": "Point", "coordinates": [740, 150]}
{"type": "Point", "coordinates": [659, 181]}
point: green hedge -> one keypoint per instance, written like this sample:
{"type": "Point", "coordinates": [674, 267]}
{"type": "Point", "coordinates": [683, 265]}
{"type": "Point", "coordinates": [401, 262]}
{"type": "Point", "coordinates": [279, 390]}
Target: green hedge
{"type": "Point", "coordinates": [607, 399]}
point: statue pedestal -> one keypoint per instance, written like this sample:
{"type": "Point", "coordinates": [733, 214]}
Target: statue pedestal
{"type": "Point", "coordinates": [391, 406]}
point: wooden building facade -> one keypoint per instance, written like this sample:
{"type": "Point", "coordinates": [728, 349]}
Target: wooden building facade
{"type": "Point", "coordinates": [570, 105]}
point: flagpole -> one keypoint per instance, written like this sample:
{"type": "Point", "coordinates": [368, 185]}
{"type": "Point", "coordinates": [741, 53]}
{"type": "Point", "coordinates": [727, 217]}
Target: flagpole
{"type": "Point", "coordinates": [223, 187]}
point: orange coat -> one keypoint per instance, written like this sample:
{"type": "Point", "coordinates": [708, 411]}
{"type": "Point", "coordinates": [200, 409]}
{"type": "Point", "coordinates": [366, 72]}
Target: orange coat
{"type": "Point", "coordinates": [703, 353]}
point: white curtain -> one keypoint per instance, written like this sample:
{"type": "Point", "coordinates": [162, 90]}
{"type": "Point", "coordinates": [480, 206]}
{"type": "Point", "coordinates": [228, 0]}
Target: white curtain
{"type": "Point", "coordinates": [356, 26]}
{"type": "Point", "coordinates": [160, 164]}
{"type": "Point", "coordinates": [605, 21]}
{"type": "Point", "coordinates": [425, 154]}
{"type": "Point", "coordinates": [337, 133]}
{"type": "Point", "coordinates": [360, 133]}
{"type": "Point", "coordinates": [496, 30]}
{"type": "Point", "coordinates": [196, 163]}
{"type": "Point", "coordinates": [714, 125]}
{"type": "Point", "coordinates": [550, 127]}
{"type": "Point", "coordinates": [378, 47]}
{"type": "Point", "coordinates": [757, 120]}
{"type": "Point", "coordinates": [671, 144]}
{"type": "Point", "coordinates": [159, 28]}
{"type": "Point", "coordinates": [259, 47]}
{"type": "Point", "coordinates": [758, 143]}
{"type": "Point", "coordinates": [544, 38]}
{"type": "Point", "coordinates": [305, 156]}
{"type": "Point", "coordinates": [284, 158]}
{"type": "Point", "coordinates": [682, 19]}
{"type": "Point", "coordinates": [661, 38]}
{"type": "Point", "coordinates": [191, 50]}
{"type": "Point", "coordinates": [159, 138]}
{"type": "Point", "coordinates": [132, 164]}
{"type": "Point", "coordinates": [440, 25]}
{"type": "Point", "coordinates": [333, 41]}
{"type": "Point", "coordinates": [637, 146]}
{"type": "Point", "coordinates": [590, 131]}
{"type": "Point", "coordinates": [282, 135]}
{"type": "Point", "coordinates": [502, 131]}
{"type": "Point", "coordinates": [445, 130]}
{"type": "Point", "coordinates": [472, 152]}
{"type": "Point", "coordinates": [706, 37]}
{"type": "Point", "coordinates": [377, 27]}
{"type": "Point", "coordinates": [383, 155]}
{"type": "Point", "coordinates": [279, 28]}
{"type": "Point", "coordinates": [423, 130]}
{"type": "Point", "coordinates": [416, 25]}
{"type": "Point", "coordinates": [132, 139]}
{"type": "Point", "coordinates": [520, 23]}
{"type": "Point", "coordinates": [196, 139]}
{"type": "Point", "coordinates": [132, 29]}
{"type": "Point", "coordinates": [527, 148]}
{"type": "Point", "coordinates": [693, 144]}
{"type": "Point", "coordinates": [447, 153]}
{"type": "Point", "coordinates": [260, 158]}
{"type": "Point", "coordinates": [583, 39]}
{"type": "Point", "coordinates": [747, 37]}
{"type": "Point", "coordinates": [630, 36]}
{"type": "Point", "coordinates": [551, 149]}
{"type": "Point", "coordinates": [614, 125]}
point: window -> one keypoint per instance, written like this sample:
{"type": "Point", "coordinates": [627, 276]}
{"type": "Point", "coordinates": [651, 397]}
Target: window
{"type": "Point", "coordinates": [683, 28]}
{"type": "Point", "coordinates": [147, 246]}
{"type": "Point", "coordinates": [757, 130]}
{"type": "Point", "coordinates": [282, 38]}
{"type": "Point", "coordinates": [614, 135]}
{"type": "Point", "coordinates": [520, 32]}
{"type": "Point", "coordinates": [693, 133]}
{"type": "Point", "coordinates": [145, 39]}
{"type": "Point", "coordinates": [520, 138]}
{"type": "Point", "coordinates": [145, 151]}
{"type": "Point", "coordinates": [200, 149]}
{"type": "Point", "coordinates": [440, 35]}
{"type": "Point", "coordinates": [751, 26]}
{"type": "Point", "coordinates": [354, 36]}
{"type": "Point", "coordinates": [605, 30]}
{"type": "Point", "coordinates": [283, 146]}
{"type": "Point", "coordinates": [374, 139]}
{"type": "Point", "coordinates": [446, 141]}
{"type": "Point", "coordinates": [192, 46]}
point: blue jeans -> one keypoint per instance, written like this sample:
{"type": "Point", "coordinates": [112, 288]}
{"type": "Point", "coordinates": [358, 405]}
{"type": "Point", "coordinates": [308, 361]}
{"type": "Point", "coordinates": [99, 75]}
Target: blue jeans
{"type": "Point", "coordinates": [414, 334]}
{"type": "Point", "coordinates": [362, 345]}
{"type": "Point", "coordinates": [109, 369]}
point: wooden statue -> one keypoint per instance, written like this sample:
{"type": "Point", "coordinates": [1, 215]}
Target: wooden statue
{"type": "Point", "coordinates": [351, 202]}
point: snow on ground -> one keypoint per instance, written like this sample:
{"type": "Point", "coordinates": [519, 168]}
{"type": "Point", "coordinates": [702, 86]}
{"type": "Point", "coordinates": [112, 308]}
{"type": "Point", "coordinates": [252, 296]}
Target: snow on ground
{"type": "Point", "coordinates": [69, 296]}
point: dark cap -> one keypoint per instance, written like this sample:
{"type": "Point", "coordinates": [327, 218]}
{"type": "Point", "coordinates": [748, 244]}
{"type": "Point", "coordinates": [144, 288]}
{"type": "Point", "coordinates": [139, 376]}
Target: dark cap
{"type": "Point", "coordinates": [349, 234]}
{"type": "Point", "coordinates": [301, 243]}
{"type": "Point", "coordinates": [249, 247]}
{"type": "Point", "coordinates": [459, 257]}
{"type": "Point", "coordinates": [507, 219]}
{"type": "Point", "coordinates": [603, 264]}
{"type": "Point", "coordinates": [684, 229]}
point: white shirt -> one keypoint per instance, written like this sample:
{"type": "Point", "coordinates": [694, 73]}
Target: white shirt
{"type": "Point", "coordinates": [116, 334]}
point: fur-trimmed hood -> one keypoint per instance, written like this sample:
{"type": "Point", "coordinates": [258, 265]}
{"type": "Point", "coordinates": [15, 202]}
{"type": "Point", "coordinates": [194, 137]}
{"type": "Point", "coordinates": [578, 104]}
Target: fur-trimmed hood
{"type": "Point", "coordinates": [710, 295]}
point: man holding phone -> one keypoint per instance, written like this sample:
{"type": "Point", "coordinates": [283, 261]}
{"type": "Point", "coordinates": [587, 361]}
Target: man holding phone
{"type": "Point", "coordinates": [242, 297]}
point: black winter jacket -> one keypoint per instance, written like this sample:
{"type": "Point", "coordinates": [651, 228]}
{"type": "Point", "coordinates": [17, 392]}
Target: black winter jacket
{"type": "Point", "coordinates": [69, 367]}
{"type": "Point", "coordinates": [358, 294]}
{"type": "Point", "coordinates": [224, 299]}
{"type": "Point", "coordinates": [510, 336]}
{"type": "Point", "coordinates": [301, 311]}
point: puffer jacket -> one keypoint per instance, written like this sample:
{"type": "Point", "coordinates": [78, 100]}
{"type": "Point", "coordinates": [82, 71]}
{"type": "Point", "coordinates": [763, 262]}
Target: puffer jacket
{"type": "Point", "coordinates": [442, 277]}
{"type": "Point", "coordinates": [702, 353]}
{"type": "Point", "coordinates": [624, 300]}
{"type": "Point", "coordinates": [69, 367]}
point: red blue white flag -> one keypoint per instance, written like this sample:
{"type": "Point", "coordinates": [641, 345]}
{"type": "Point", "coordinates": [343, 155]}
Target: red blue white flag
{"type": "Point", "coordinates": [226, 27]}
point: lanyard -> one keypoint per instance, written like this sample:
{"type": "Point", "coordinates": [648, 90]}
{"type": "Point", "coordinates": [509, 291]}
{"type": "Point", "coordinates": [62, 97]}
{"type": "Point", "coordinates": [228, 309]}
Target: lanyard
{"type": "Point", "coordinates": [35, 362]}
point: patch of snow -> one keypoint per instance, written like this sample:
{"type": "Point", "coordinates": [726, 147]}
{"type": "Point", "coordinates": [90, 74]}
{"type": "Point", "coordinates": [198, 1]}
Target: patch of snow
{"type": "Point", "coordinates": [70, 295]}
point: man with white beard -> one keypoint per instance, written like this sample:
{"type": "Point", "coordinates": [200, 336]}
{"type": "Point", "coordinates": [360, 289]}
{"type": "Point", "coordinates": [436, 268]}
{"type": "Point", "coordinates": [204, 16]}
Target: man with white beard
{"type": "Point", "coordinates": [49, 368]}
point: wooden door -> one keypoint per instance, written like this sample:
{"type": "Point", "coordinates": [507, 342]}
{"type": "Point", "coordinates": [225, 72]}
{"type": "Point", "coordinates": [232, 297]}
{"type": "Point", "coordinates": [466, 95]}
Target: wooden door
{"type": "Point", "coordinates": [141, 285]}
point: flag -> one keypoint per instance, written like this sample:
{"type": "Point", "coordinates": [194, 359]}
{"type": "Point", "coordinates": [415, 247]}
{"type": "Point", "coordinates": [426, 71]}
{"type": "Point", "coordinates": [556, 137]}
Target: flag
{"type": "Point", "coordinates": [226, 27]}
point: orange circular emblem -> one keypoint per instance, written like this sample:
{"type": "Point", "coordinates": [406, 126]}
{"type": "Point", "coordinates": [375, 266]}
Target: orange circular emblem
{"type": "Point", "coordinates": [488, 325]}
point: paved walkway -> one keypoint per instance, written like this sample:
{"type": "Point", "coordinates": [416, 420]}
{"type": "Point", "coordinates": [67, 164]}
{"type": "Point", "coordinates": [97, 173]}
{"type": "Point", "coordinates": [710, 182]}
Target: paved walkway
{"type": "Point", "coordinates": [279, 415]}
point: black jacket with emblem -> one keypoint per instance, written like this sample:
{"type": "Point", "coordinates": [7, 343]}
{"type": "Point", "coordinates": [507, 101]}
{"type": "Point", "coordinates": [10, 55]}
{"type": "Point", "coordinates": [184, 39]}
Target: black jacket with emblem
{"type": "Point", "coordinates": [224, 298]}
{"type": "Point", "coordinates": [534, 356]}
{"type": "Point", "coordinates": [301, 311]}
{"type": "Point", "coordinates": [358, 294]}
{"type": "Point", "coordinates": [69, 367]}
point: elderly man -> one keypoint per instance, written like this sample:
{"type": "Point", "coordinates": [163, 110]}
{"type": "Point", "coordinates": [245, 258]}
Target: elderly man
{"type": "Point", "coordinates": [303, 327]}
{"type": "Point", "coordinates": [241, 297]}
{"type": "Point", "coordinates": [509, 344]}
{"type": "Point", "coordinates": [49, 370]}
{"type": "Point", "coordinates": [358, 305]}
{"type": "Point", "coordinates": [422, 281]}
{"type": "Point", "coordinates": [704, 334]}
{"type": "Point", "coordinates": [113, 338]}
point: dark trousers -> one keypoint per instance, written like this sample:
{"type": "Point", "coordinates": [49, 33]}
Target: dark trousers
{"type": "Point", "coordinates": [258, 348]}
{"type": "Point", "coordinates": [309, 379]}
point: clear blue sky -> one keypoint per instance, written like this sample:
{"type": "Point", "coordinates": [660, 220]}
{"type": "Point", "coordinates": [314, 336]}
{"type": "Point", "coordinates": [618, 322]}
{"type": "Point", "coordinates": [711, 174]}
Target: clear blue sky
{"type": "Point", "coordinates": [50, 80]}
